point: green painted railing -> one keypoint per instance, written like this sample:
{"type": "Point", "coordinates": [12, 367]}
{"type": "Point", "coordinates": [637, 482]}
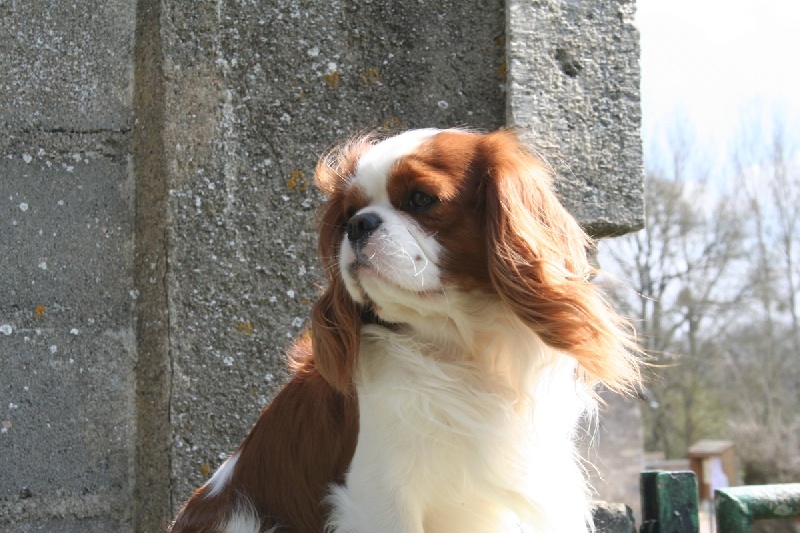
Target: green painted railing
{"type": "Point", "coordinates": [738, 507]}
{"type": "Point", "coordinates": [669, 502]}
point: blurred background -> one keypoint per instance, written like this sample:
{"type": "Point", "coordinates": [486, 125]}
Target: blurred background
{"type": "Point", "coordinates": [714, 276]}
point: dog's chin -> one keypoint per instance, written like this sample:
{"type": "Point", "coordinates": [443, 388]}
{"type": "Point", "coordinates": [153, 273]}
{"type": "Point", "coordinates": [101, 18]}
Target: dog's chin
{"type": "Point", "coordinates": [369, 281]}
{"type": "Point", "coordinates": [384, 301]}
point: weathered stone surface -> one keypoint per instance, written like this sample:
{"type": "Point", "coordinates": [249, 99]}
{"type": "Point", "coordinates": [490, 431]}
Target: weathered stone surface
{"type": "Point", "coordinates": [67, 344]}
{"type": "Point", "coordinates": [66, 65]}
{"type": "Point", "coordinates": [66, 337]}
{"type": "Point", "coordinates": [66, 525]}
{"type": "Point", "coordinates": [573, 88]}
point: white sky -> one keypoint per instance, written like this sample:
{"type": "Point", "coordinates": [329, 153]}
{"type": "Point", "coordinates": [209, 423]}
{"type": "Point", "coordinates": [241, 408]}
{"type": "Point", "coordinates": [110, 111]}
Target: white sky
{"type": "Point", "coordinates": [707, 64]}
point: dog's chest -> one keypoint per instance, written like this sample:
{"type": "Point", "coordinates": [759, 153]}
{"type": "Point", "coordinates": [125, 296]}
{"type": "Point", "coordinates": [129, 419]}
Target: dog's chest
{"type": "Point", "coordinates": [464, 443]}
{"type": "Point", "coordinates": [434, 415]}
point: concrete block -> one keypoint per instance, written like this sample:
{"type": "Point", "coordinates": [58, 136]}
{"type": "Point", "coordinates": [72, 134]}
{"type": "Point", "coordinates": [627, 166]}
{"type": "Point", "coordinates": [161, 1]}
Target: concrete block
{"type": "Point", "coordinates": [66, 65]}
{"type": "Point", "coordinates": [66, 338]}
{"type": "Point", "coordinates": [573, 87]}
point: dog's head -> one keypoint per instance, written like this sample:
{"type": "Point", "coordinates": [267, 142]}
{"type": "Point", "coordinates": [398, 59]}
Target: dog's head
{"type": "Point", "coordinates": [414, 219]}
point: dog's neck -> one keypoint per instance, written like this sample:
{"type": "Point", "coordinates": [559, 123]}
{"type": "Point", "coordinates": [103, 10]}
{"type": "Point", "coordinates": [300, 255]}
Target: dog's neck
{"type": "Point", "coordinates": [480, 334]}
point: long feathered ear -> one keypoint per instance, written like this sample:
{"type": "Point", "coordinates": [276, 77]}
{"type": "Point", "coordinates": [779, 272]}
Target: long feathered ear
{"type": "Point", "coordinates": [335, 337]}
{"type": "Point", "coordinates": [335, 318]}
{"type": "Point", "coordinates": [538, 264]}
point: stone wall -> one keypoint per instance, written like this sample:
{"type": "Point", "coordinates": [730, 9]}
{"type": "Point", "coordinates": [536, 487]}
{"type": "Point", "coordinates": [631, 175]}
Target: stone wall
{"type": "Point", "coordinates": [67, 343]}
{"type": "Point", "coordinates": [156, 205]}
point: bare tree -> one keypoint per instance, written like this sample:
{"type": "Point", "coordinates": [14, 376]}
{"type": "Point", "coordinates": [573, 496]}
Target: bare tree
{"type": "Point", "coordinates": [678, 267]}
{"type": "Point", "coordinates": [763, 357]}
{"type": "Point", "coordinates": [715, 277]}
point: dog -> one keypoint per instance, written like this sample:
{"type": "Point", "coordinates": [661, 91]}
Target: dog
{"type": "Point", "coordinates": [450, 358]}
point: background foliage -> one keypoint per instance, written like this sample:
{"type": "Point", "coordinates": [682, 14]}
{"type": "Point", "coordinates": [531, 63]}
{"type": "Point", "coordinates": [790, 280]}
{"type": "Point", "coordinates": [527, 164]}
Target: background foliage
{"type": "Point", "coordinates": [712, 283]}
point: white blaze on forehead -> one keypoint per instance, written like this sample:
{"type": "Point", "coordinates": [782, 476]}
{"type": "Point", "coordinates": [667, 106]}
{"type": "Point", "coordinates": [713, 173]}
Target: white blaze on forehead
{"type": "Point", "coordinates": [373, 168]}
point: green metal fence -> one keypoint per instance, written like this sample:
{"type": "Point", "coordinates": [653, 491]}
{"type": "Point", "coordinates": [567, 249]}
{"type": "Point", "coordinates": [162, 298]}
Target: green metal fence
{"type": "Point", "coordinates": [670, 504]}
{"type": "Point", "coordinates": [739, 507]}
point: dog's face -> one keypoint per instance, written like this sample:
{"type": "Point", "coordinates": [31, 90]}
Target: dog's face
{"type": "Point", "coordinates": [389, 255]}
{"type": "Point", "coordinates": [412, 219]}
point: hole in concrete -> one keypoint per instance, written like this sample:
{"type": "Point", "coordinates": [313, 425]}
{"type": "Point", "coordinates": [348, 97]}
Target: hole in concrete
{"type": "Point", "coordinates": [568, 62]}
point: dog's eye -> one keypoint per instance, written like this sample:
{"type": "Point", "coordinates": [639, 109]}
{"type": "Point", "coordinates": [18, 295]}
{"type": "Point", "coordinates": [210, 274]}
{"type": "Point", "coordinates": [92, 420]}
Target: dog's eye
{"type": "Point", "coordinates": [419, 201]}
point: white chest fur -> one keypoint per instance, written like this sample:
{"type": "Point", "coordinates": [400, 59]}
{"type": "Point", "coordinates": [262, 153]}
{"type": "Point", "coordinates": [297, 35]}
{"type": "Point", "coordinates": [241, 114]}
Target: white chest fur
{"type": "Point", "coordinates": [479, 442]}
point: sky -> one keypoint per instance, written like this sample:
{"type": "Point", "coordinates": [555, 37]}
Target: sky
{"type": "Point", "coordinates": [711, 66]}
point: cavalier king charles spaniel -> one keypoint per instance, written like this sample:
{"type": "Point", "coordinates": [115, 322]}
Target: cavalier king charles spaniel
{"type": "Point", "coordinates": [450, 358]}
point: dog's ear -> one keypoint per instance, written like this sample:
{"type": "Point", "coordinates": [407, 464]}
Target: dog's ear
{"type": "Point", "coordinates": [335, 336]}
{"type": "Point", "coordinates": [538, 264]}
{"type": "Point", "coordinates": [335, 318]}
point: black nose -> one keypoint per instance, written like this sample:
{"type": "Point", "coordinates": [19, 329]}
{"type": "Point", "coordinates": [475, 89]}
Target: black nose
{"type": "Point", "coordinates": [360, 227]}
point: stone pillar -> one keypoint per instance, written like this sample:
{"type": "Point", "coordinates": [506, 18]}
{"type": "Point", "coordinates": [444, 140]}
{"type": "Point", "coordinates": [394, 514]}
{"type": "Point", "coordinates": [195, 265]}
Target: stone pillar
{"type": "Point", "coordinates": [573, 87]}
